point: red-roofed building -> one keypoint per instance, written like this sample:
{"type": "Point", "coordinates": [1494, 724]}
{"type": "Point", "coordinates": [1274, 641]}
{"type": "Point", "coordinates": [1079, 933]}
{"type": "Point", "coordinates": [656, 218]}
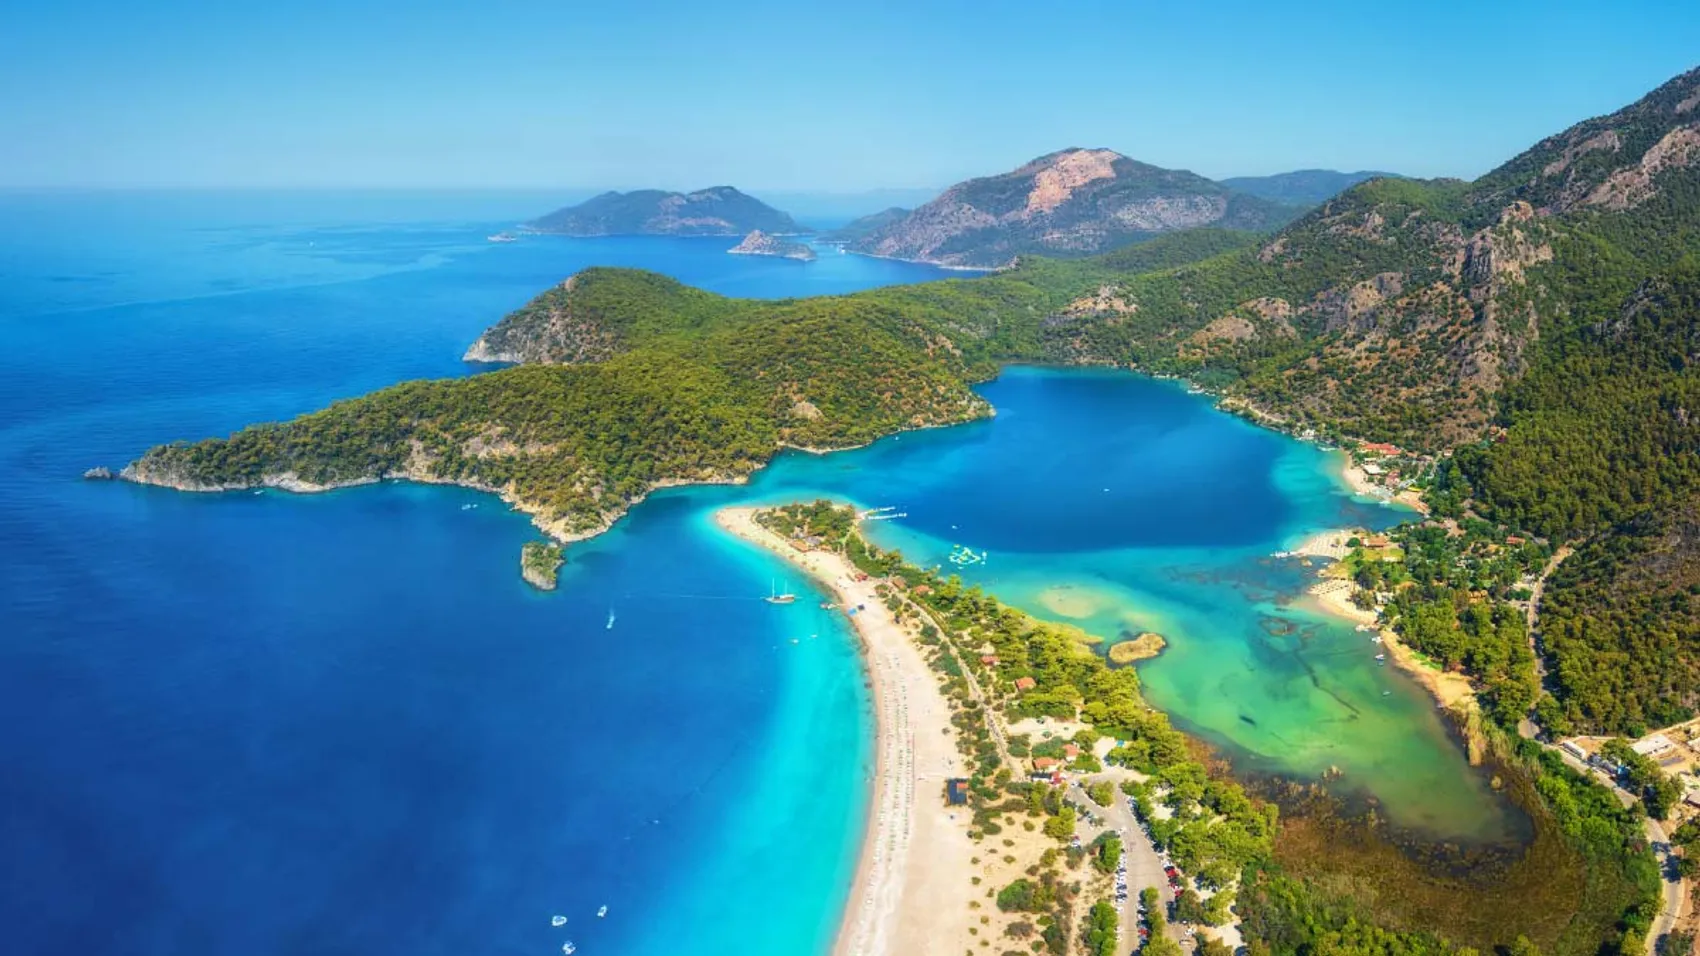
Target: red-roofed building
{"type": "Point", "coordinates": [1379, 448]}
{"type": "Point", "coordinates": [1025, 683]}
{"type": "Point", "coordinates": [1070, 751]}
{"type": "Point", "coordinates": [1046, 764]}
{"type": "Point", "coordinates": [1513, 540]}
{"type": "Point", "coordinates": [990, 660]}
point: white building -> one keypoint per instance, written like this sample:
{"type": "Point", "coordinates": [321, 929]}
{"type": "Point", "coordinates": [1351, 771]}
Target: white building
{"type": "Point", "coordinates": [1653, 746]}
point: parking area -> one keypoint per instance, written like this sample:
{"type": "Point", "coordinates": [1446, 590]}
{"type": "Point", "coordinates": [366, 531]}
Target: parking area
{"type": "Point", "coordinates": [1142, 864]}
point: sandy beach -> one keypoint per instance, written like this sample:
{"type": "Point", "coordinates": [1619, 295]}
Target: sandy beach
{"type": "Point", "coordinates": [1364, 485]}
{"type": "Point", "coordinates": [1334, 596]}
{"type": "Point", "coordinates": [911, 892]}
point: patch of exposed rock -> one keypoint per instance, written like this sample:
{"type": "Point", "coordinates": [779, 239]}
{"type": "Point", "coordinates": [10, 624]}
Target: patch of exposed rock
{"type": "Point", "coordinates": [1353, 308]}
{"type": "Point", "coordinates": [1072, 202]}
{"type": "Point", "coordinates": [1107, 301]}
{"type": "Point", "coordinates": [1633, 185]}
{"type": "Point", "coordinates": [548, 329]}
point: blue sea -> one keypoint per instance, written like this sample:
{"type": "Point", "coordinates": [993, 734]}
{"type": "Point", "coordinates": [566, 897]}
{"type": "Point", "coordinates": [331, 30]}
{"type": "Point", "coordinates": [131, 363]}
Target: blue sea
{"type": "Point", "coordinates": [277, 724]}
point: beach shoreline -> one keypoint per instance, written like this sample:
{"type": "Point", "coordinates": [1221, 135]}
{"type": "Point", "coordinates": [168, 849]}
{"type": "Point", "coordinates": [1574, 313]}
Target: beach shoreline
{"type": "Point", "coordinates": [1333, 596]}
{"type": "Point", "coordinates": [911, 889]}
{"type": "Point", "coordinates": [1353, 476]}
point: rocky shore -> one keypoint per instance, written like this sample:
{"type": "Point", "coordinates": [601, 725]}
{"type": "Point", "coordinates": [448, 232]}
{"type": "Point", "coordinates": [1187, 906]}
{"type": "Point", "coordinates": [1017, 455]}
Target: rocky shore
{"type": "Point", "coordinates": [557, 526]}
{"type": "Point", "coordinates": [540, 564]}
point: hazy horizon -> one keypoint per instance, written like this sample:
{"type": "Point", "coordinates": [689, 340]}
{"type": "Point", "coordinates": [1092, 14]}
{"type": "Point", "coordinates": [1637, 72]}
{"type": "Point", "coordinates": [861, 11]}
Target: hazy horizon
{"type": "Point", "coordinates": [778, 98]}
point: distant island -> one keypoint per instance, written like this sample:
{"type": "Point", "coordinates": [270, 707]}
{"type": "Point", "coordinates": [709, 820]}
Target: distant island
{"type": "Point", "coordinates": [759, 243]}
{"type": "Point", "coordinates": [716, 211]}
{"type": "Point", "coordinates": [1075, 202]}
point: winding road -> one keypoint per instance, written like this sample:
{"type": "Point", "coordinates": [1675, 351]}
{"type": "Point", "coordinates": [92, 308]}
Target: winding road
{"type": "Point", "coordinates": [1674, 893]}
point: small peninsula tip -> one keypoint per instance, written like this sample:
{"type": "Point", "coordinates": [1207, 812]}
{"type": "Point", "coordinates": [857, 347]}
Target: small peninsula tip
{"type": "Point", "coordinates": [540, 564]}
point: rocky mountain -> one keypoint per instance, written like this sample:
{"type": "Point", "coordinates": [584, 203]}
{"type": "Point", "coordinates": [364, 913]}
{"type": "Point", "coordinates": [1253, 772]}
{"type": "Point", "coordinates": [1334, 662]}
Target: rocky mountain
{"type": "Point", "coordinates": [1302, 187]}
{"type": "Point", "coordinates": [864, 226]}
{"type": "Point", "coordinates": [717, 211]}
{"type": "Point", "coordinates": [1075, 202]}
{"type": "Point", "coordinates": [759, 243]}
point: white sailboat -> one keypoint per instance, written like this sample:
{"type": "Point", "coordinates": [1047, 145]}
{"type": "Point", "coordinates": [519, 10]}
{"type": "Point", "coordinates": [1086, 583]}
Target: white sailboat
{"type": "Point", "coordinates": [774, 597]}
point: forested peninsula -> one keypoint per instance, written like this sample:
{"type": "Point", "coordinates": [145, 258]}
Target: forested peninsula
{"type": "Point", "coordinates": [1534, 331]}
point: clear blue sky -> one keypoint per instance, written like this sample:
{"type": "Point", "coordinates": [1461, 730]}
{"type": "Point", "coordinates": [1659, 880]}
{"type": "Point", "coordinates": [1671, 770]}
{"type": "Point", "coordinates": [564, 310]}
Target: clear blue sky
{"type": "Point", "coordinates": [796, 95]}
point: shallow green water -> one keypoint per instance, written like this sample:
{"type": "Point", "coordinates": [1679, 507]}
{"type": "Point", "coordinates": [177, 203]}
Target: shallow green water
{"type": "Point", "coordinates": [1122, 504]}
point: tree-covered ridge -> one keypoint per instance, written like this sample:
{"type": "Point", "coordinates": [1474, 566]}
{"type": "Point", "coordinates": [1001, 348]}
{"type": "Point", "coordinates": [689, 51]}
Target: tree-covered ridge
{"type": "Point", "coordinates": [597, 313]}
{"type": "Point", "coordinates": [576, 445]}
{"type": "Point", "coordinates": [1602, 446]}
{"type": "Point", "coordinates": [1601, 161]}
{"type": "Point", "coordinates": [1301, 187]}
{"type": "Point", "coordinates": [1621, 621]}
{"type": "Point", "coordinates": [1604, 428]}
{"type": "Point", "coordinates": [1375, 313]}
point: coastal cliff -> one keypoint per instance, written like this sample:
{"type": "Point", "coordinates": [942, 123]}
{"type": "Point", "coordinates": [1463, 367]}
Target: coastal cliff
{"type": "Point", "coordinates": [759, 243]}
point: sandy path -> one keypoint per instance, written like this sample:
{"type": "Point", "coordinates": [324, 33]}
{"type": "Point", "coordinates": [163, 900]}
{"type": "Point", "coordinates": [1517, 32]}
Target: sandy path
{"type": "Point", "coordinates": [911, 889]}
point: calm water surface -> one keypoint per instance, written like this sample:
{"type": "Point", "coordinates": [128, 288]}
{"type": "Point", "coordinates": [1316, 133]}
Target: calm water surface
{"type": "Point", "coordinates": [278, 724]}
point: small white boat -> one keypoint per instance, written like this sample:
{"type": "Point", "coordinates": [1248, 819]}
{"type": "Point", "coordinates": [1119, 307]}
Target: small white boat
{"type": "Point", "coordinates": [602, 910]}
{"type": "Point", "coordinates": [557, 921]}
{"type": "Point", "coordinates": [610, 626]}
{"type": "Point", "coordinates": [568, 948]}
{"type": "Point", "coordinates": [1381, 657]}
